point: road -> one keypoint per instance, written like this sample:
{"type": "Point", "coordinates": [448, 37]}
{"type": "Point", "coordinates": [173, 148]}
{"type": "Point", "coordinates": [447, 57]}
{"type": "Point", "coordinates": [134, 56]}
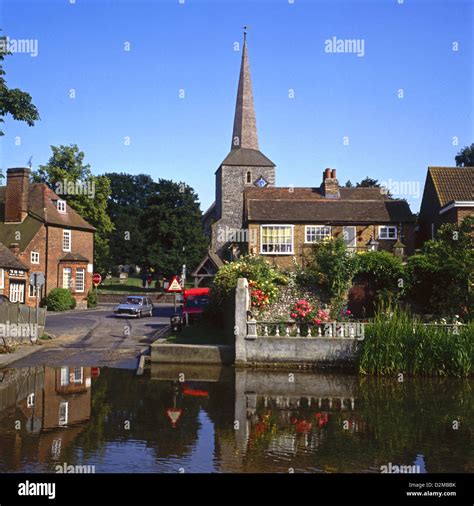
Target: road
{"type": "Point", "coordinates": [97, 338]}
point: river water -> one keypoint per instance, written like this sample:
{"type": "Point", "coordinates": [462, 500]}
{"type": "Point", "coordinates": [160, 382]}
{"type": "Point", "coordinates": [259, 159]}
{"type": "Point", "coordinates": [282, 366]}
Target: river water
{"type": "Point", "coordinates": [211, 419]}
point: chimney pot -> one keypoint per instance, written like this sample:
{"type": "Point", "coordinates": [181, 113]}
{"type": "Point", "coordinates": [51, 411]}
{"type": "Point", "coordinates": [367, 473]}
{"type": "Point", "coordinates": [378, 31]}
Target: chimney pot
{"type": "Point", "coordinates": [333, 174]}
{"type": "Point", "coordinates": [327, 173]}
{"type": "Point", "coordinates": [14, 248]}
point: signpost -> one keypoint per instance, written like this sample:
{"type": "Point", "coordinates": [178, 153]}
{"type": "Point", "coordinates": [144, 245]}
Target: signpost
{"type": "Point", "coordinates": [175, 288]}
{"type": "Point", "coordinates": [37, 280]}
{"type": "Point", "coordinates": [96, 279]}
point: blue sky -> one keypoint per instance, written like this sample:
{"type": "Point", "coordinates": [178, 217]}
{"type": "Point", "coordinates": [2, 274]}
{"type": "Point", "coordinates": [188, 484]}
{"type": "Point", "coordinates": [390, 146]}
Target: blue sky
{"type": "Point", "coordinates": [189, 46]}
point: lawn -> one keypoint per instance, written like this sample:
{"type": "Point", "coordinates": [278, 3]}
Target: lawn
{"type": "Point", "coordinates": [133, 284]}
{"type": "Point", "coordinates": [200, 333]}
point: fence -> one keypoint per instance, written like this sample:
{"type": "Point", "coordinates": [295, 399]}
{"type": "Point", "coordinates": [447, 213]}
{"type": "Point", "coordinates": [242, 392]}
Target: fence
{"type": "Point", "coordinates": [349, 330]}
{"type": "Point", "coordinates": [19, 324]}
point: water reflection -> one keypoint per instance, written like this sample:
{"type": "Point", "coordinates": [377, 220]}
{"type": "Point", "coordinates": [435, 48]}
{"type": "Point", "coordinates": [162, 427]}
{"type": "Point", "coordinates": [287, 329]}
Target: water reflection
{"type": "Point", "coordinates": [197, 419]}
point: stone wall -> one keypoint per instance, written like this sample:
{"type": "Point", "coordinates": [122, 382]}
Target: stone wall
{"type": "Point", "coordinates": [275, 350]}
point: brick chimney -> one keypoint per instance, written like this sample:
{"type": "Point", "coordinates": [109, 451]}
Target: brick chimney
{"type": "Point", "coordinates": [330, 184]}
{"type": "Point", "coordinates": [16, 197]}
{"type": "Point", "coordinates": [14, 248]}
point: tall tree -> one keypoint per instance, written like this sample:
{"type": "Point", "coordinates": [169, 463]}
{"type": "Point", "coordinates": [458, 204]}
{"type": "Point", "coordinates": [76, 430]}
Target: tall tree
{"type": "Point", "coordinates": [172, 228]}
{"type": "Point", "coordinates": [465, 157]}
{"type": "Point", "coordinates": [72, 179]}
{"type": "Point", "coordinates": [127, 202]}
{"type": "Point", "coordinates": [13, 101]}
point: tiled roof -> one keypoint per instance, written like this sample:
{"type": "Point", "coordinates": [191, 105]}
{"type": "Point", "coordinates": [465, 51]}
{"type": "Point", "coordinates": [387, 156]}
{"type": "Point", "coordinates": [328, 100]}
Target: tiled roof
{"type": "Point", "coordinates": [361, 205]}
{"type": "Point", "coordinates": [9, 261]}
{"type": "Point", "coordinates": [452, 183]}
{"type": "Point", "coordinates": [250, 157]}
{"type": "Point", "coordinates": [41, 204]}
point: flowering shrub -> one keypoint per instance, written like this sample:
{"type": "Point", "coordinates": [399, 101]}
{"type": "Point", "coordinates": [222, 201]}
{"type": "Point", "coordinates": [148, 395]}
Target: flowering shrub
{"type": "Point", "coordinates": [262, 293]}
{"type": "Point", "coordinates": [303, 312]}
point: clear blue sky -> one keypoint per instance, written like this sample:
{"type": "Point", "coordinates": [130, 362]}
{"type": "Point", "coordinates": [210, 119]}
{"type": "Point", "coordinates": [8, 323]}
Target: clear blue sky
{"type": "Point", "coordinates": [190, 46]}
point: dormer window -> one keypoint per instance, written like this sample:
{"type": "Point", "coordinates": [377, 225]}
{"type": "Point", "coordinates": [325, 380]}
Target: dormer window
{"type": "Point", "coordinates": [61, 206]}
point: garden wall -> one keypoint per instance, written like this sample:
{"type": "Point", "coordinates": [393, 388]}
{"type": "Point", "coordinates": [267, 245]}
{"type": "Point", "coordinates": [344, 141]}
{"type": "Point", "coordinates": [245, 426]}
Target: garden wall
{"type": "Point", "coordinates": [267, 350]}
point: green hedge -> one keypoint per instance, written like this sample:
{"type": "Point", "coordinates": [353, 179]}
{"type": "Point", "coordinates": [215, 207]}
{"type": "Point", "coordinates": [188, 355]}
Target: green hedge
{"type": "Point", "coordinates": [60, 299]}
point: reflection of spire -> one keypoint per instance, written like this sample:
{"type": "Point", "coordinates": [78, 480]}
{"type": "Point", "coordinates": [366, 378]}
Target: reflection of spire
{"type": "Point", "coordinates": [245, 126]}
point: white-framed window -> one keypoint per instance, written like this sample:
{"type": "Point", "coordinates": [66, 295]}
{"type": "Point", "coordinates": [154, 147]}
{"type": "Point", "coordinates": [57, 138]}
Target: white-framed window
{"type": "Point", "coordinates": [64, 380]}
{"type": "Point", "coordinates": [67, 240]}
{"type": "Point", "coordinates": [63, 412]}
{"type": "Point", "coordinates": [276, 239]}
{"type": "Point", "coordinates": [387, 232]}
{"type": "Point", "coordinates": [30, 400]}
{"type": "Point", "coordinates": [316, 233]}
{"type": "Point", "coordinates": [17, 292]}
{"type": "Point", "coordinates": [67, 277]}
{"type": "Point", "coordinates": [61, 206]}
{"type": "Point", "coordinates": [78, 374]}
{"type": "Point", "coordinates": [2, 279]}
{"type": "Point", "coordinates": [80, 280]}
{"type": "Point", "coordinates": [35, 257]}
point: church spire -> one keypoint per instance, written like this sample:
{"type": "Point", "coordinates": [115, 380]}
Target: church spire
{"type": "Point", "coordinates": [244, 134]}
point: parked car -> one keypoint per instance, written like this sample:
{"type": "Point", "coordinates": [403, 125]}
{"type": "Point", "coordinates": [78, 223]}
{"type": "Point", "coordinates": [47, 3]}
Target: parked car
{"type": "Point", "coordinates": [4, 299]}
{"type": "Point", "coordinates": [135, 305]}
{"type": "Point", "coordinates": [195, 302]}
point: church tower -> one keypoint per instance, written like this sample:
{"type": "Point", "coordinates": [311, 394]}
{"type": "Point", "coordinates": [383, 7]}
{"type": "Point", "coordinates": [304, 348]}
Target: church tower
{"type": "Point", "coordinates": [244, 166]}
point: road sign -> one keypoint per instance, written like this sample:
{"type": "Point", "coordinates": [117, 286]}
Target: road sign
{"type": "Point", "coordinates": [96, 279]}
{"type": "Point", "coordinates": [95, 372]}
{"type": "Point", "coordinates": [37, 278]}
{"type": "Point", "coordinates": [174, 285]}
{"type": "Point", "coordinates": [174, 415]}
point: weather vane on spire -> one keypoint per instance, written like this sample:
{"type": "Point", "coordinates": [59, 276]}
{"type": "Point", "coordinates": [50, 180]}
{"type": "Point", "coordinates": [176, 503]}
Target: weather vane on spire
{"type": "Point", "coordinates": [245, 28]}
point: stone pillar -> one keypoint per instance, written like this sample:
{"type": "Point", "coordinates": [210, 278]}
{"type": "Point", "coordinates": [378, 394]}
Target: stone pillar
{"type": "Point", "coordinates": [242, 305]}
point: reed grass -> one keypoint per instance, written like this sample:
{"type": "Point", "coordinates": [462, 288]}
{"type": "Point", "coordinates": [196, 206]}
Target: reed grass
{"type": "Point", "coordinates": [397, 342]}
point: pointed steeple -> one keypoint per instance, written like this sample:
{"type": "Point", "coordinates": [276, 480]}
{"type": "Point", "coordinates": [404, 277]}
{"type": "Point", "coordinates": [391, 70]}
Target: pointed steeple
{"type": "Point", "coordinates": [244, 134]}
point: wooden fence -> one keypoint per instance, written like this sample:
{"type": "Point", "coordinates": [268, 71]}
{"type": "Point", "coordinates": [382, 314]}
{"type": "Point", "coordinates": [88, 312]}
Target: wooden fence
{"type": "Point", "coordinates": [21, 324]}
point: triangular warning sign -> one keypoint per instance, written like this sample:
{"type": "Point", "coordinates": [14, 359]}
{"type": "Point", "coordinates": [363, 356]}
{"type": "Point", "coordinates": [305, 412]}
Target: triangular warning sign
{"type": "Point", "coordinates": [174, 415]}
{"type": "Point", "coordinates": [174, 285]}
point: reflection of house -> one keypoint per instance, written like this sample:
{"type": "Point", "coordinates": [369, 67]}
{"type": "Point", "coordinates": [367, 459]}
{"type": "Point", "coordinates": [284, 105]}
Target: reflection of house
{"type": "Point", "coordinates": [448, 197]}
{"type": "Point", "coordinates": [47, 235]}
{"type": "Point", "coordinates": [53, 403]}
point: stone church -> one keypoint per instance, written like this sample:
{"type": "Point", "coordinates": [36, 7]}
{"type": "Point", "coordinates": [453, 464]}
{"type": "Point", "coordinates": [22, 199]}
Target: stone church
{"type": "Point", "coordinates": [251, 215]}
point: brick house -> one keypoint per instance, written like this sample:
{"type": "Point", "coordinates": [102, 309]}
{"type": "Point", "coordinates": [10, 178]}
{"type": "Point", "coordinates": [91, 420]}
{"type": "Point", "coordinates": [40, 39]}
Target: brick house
{"type": "Point", "coordinates": [283, 223]}
{"type": "Point", "coordinates": [250, 214]}
{"type": "Point", "coordinates": [13, 274]}
{"type": "Point", "coordinates": [45, 235]}
{"type": "Point", "coordinates": [448, 197]}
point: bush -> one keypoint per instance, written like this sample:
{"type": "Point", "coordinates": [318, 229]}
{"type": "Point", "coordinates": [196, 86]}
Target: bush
{"type": "Point", "coordinates": [334, 264]}
{"type": "Point", "coordinates": [263, 279]}
{"type": "Point", "coordinates": [441, 273]}
{"type": "Point", "coordinates": [60, 299]}
{"type": "Point", "coordinates": [92, 299]}
{"type": "Point", "coordinates": [386, 272]}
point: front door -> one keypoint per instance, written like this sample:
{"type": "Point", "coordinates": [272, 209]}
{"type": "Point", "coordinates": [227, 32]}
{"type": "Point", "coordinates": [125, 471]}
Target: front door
{"type": "Point", "coordinates": [349, 236]}
{"type": "Point", "coordinates": [17, 291]}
